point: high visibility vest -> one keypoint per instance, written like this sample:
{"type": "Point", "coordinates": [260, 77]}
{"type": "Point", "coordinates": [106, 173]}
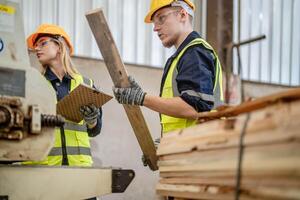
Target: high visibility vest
{"type": "Point", "coordinates": [77, 144]}
{"type": "Point", "coordinates": [170, 89]}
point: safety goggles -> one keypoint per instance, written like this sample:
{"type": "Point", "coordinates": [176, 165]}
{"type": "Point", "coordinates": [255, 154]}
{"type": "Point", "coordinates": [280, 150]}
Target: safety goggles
{"type": "Point", "coordinates": [44, 43]}
{"type": "Point", "coordinates": [160, 20]}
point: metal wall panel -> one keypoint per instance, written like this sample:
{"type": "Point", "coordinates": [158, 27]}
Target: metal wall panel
{"type": "Point", "coordinates": [135, 40]}
{"type": "Point", "coordinates": [276, 59]}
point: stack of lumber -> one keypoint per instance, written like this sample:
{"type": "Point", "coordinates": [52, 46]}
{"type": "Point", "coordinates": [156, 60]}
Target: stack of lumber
{"type": "Point", "coordinates": [201, 162]}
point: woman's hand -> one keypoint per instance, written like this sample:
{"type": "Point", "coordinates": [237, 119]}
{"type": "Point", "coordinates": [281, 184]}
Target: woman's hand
{"type": "Point", "coordinates": [90, 114]}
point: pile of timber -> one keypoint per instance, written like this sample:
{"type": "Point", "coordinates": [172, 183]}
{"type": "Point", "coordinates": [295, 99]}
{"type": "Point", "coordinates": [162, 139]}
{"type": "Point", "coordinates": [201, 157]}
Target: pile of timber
{"type": "Point", "coordinates": [201, 162]}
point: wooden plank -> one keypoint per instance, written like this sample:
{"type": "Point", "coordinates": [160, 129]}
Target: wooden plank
{"type": "Point", "coordinates": [201, 162]}
{"type": "Point", "coordinates": [259, 103]}
{"type": "Point", "coordinates": [230, 181]}
{"type": "Point", "coordinates": [276, 193]}
{"type": "Point", "coordinates": [180, 199]}
{"type": "Point", "coordinates": [119, 76]}
{"type": "Point", "coordinates": [224, 193]}
{"type": "Point", "coordinates": [275, 157]}
{"type": "Point", "coordinates": [225, 174]}
{"type": "Point", "coordinates": [264, 127]}
{"type": "Point", "coordinates": [199, 192]}
{"type": "Point", "coordinates": [228, 140]}
{"type": "Point", "coordinates": [289, 110]}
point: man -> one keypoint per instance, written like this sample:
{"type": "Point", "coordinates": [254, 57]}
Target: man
{"type": "Point", "coordinates": [191, 82]}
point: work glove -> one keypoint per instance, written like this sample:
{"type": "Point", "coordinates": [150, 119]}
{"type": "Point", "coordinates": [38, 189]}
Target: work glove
{"type": "Point", "coordinates": [133, 95]}
{"type": "Point", "coordinates": [144, 158]}
{"type": "Point", "coordinates": [90, 114]}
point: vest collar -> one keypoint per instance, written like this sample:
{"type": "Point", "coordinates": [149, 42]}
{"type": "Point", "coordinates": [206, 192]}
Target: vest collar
{"type": "Point", "coordinates": [193, 35]}
{"type": "Point", "coordinates": [50, 76]}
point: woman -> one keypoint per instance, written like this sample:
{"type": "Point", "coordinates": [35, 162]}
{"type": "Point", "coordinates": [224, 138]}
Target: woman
{"type": "Point", "coordinates": [53, 48]}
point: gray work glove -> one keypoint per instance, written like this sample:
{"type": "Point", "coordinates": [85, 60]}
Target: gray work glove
{"type": "Point", "coordinates": [133, 95]}
{"type": "Point", "coordinates": [90, 114]}
{"type": "Point", "coordinates": [144, 158]}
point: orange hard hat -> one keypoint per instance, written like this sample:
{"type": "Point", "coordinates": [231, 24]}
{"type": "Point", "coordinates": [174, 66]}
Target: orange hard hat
{"type": "Point", "coordinates": [49, 29]}
{"type": "Point", "coordinates": [158, 4]}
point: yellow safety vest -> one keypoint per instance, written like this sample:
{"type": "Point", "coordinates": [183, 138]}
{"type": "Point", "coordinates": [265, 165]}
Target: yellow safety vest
{"type": "Point", "coordinates": [76, 139]}
{"type": "Point", "coordinates": [170, 89]}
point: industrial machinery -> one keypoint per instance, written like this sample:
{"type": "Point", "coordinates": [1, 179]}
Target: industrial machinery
{"type": "Point", "coordinates": [27, 123]}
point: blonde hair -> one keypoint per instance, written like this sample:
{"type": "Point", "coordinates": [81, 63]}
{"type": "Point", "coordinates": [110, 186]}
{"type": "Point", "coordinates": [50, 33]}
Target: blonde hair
{"type": "Point", "coordinates": [65, 57]}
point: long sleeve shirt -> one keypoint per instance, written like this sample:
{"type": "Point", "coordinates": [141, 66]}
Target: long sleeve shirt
{"type": "Point", "coordinates": [62, 89]}
{"type": "Point", "coordinates": [196, 73]}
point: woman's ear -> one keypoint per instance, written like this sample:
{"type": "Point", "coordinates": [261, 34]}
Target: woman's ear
{"type": "Point", "coordinates": [60, 50]}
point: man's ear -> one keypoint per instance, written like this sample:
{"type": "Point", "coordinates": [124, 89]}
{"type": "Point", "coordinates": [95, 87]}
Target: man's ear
{"type": "Point", "coordinates": [184, 15]}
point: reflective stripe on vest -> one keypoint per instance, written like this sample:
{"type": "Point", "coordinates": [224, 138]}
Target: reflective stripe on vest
{"type": "Point", "coordinates": [57, 151]}
{"type": "Point", "coordinates": [87, 81]}
{"type": "Point", "coordinates": [76, 137]}
{"type": "Point", "coordinates": [170, 89]}
{"type": "Point", "coordinates": [75, 127]}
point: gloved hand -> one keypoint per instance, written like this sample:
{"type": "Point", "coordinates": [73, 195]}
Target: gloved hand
{"type": "Point", "coordinates": [133, 95]}
{"type": "Point", "coordinates": [156, 142]}
{"type": "Point", "coordinates": [144, 158]}
{"type": "Point", "coordinates": [90, 114]}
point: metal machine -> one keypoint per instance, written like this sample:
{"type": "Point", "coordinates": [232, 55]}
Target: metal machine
{"type": "Point", "coordinates": [27, 123]}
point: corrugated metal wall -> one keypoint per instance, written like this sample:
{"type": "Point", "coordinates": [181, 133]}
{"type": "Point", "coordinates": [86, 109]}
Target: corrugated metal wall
{"type": "Point", "coordinates": [136, 41]}
{"type": "Point", "coordinates": [277, 58]}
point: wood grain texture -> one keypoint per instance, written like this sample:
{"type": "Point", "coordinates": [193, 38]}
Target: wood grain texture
{"type": "Point", "coordinates": [265, 127]}
{"type": "Point", "coordinates": [259, 103]}
{"type": "Point", "coordinates": [82, 95]}
{"type": "Point", "coordinates": [201, 162]}
{"type": "Point", "coordinates": [226, 193]}
{"type": "Point", "coordinates": [116, 68]}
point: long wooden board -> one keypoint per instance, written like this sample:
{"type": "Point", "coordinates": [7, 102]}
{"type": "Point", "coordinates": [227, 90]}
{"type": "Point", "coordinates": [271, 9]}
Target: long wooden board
{"type": "Point", "coordinates": [249, 106]}
{"type": "Point", "coordinates": [276, 157]}
{"type": "Point", "coordinates": [115, 66]}
{"type": "Point", "coordinates": [264, 127]}
{"type": "Point", "coordinates": [226, 193]}
{"type": "Point", "coordinates": [247, 181]}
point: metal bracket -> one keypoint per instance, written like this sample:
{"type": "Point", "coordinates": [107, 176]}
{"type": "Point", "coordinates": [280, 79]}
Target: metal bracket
{"type": "Point", "coordinates": [35, 124]}
{"type": "Point", "coordinates": [121, 178]}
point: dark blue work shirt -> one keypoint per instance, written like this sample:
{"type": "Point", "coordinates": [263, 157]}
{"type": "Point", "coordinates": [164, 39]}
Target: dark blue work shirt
{"type": "Point", "coordinates": [62, 89]}
{"type": "Point", "coordinates": [196, 72]}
